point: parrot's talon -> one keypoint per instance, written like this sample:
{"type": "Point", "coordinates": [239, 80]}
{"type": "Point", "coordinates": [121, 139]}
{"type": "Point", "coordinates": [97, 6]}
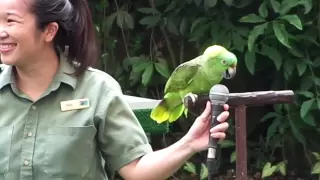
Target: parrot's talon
{"type": "Point", "coordinates": [193, 97]}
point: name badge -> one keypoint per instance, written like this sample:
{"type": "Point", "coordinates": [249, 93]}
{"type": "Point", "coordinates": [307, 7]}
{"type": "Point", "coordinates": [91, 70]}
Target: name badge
{"type": "Point", "coordinates": [74, 104]}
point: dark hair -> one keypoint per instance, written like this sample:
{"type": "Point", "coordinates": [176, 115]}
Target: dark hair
{"type": "Point", "coordinates": [76, 29]}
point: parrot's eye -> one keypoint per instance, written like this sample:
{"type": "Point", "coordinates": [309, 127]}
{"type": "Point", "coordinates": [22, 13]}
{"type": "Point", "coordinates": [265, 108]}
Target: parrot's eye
{"type": "Point", "coordinates": [224, 62]}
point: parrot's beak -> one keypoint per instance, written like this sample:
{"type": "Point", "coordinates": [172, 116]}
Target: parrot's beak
{"type": "Point", "coordinates": [230, 72]}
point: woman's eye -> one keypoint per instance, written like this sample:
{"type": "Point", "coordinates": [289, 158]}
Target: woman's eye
{"type": "Point", "coordinates": [10, 20]}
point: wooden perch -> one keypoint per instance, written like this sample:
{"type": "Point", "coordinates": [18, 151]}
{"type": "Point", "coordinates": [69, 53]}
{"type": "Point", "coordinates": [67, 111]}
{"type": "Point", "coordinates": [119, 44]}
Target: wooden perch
{"type": "Point", "coordinates": [247, 98]}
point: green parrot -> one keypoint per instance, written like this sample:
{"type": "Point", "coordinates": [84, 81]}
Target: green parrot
{"type": "Point", "coordinates": [195, 76]}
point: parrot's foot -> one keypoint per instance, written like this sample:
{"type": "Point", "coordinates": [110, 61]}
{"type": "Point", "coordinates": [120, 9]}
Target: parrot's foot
{"type": "Point", "coordinates": [193, 97]}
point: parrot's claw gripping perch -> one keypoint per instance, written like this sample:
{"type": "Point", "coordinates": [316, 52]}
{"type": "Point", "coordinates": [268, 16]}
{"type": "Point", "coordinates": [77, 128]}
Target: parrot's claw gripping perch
{"type": "Point", "coordinates": [193, 97]}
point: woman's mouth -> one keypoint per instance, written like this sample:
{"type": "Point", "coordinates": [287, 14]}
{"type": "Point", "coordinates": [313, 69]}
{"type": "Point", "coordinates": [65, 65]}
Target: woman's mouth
{"type": "Point", "coordinates": [6, 47]}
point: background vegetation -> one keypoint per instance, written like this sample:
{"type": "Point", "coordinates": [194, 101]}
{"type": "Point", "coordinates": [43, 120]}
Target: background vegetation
{"type": "Point", "coordinates": [277, 44]}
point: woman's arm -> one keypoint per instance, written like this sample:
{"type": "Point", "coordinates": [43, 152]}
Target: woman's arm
{"type": "Point", "coordinates": [161, 164]}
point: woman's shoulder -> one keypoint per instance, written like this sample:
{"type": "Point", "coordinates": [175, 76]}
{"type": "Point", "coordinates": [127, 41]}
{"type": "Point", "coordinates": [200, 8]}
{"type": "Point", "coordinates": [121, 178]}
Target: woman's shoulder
{"type": "Point", "coordinates": [101, 78]}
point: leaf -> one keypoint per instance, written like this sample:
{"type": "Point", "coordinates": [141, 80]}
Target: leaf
{"type": "Point", "coordinates": [139, 67]}
{"type": "Point", "coordinates": [125, 20]}
{"type": "Point", "coordinates": [172, 26]}
{"type": "Point", "coordinates": [281, 34]}
{"type": "Point", "coordinates": [203, 172]}
{"type": "Point", "coordinates": [163, 70]}
{"type": "Point", "coordinates": [282, 168]}
{"type": "Point", "coordinates": [147, 74]}
{"type": "Point", "coordinates": [238, 41]}
{"type": "Point", "coordinates": [108, 22]}
{"type": "Point", "coordinates": [273, 54]}
{"type": "Point", "coordinates": [209, 3]}
{"type": "Point", "coordinates": [268, 170]}
{"type": "Point", "coordinates": [287, 5]}
{"type": "Point", "coordinates": [233, 157]}
{"type": "Point", "coordinates": [305, 107]}
{"type": "Point", "coordinates": [263, 11]}
{"type": "Point", "coordinates": [272, 129]}
{"type": "Point", "coordinates": [183, 26]}
{"type": "Point", "coordinates": [197, 22]}
{"type": "Point", "coordinates": [318, 102]}
{"type": "Point", "coordinates": [293, 19]}
{"type": "Point", "coordinates": [190, 167]}
{"type": "Point", "coordinates": [316, 168]}
{"type": "Point", "coordinates": [269, 115]}
{"type": "Point", "coordinates": [250, 60]}
{"type": "Point", "coordinates": [228, 2]}
{"type": "Point", "coordinates": [226, 143]}
{"type": "Point", "coordinates": [301, 67]}
{"type": "Point", "coordinates": [307, 94]}
{"type": "Point", "coordinates": [197, 2]}
{"type": "Point", "coordinates": [171, 6]}
{"type": "Point", "coordinates": [316, 155]}
{"type": "Point", "coordinates": [288, 67]}
{"type": "Point", "coordinates": [251, 18]}
{"type": "Point", "coordinates": [295, 131]}
{"type": "Point", "coordinates": [150, 21]}
{"type": "Point", "coordinates": [149, 11]}
{"type": "Point", "coordinates": [255, 33]}
{"type": "Point", "coordinates": [275, 5]}
{"type": "Point", "coordinates": [309, 119]}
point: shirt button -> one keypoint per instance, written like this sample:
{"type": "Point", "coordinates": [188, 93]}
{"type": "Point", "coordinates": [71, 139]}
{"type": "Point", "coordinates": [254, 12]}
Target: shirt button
{"type": "Point", "coordinates": [34, 107]}
{"type": "Point", "coordinates": [26, 162]}
{"type": "Point", "coordinates": [29, 134]}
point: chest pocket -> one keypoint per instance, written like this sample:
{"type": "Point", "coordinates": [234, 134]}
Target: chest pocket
{"type": "Point", "coordinates": [69, 151]}
{"type": "Point", "coordinates": [5, 149]}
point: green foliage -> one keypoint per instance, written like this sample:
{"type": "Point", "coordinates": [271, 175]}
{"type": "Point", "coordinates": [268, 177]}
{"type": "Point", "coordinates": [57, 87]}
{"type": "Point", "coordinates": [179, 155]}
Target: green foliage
{"type": "Point", "coordinates": [277, 44]}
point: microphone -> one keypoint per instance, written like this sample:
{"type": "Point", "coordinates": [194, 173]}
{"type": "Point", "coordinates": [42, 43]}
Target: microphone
{"type": "Point", "coordinates": [218, 97]}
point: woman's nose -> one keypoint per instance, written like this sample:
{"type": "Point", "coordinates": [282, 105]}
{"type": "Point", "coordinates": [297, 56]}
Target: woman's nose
{"type": "Point", "coordinates": [3, 33]}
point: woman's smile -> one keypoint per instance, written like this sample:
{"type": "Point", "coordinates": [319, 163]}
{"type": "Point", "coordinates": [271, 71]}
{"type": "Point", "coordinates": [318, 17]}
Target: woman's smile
{"type": "Point", "coordinates": [7, 47]}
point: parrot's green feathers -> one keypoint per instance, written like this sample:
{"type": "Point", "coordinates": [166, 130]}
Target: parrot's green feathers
{"type": "Point", "coordinates": [160, 113]}
{"type": "Point", "coordinates": [194, 76]}
{"type": "Point", "coordinates": [176, 113]}
{"type": "Point", "coordinates": [169, 109]}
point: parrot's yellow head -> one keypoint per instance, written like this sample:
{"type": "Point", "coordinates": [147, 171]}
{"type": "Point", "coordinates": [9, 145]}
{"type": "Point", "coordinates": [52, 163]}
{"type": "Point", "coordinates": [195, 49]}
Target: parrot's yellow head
{"type": "Point", "coordinates": [224, 60]}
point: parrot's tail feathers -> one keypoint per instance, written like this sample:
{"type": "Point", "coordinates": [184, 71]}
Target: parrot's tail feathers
{"type": "Point", "coordinates": [176, 112]}
{"type": "Point", "coordinates": [160, 113]}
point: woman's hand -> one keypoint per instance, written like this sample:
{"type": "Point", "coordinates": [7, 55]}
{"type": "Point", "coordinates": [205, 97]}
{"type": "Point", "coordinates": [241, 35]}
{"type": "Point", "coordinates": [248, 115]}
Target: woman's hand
{"type": "Point", "coordinates": [198, 135]}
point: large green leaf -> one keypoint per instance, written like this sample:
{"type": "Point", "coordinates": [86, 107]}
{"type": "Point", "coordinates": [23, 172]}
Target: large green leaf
{"type": "Point", "coordinates": [281, 33]}
{"type": "Point", "coordinates": [273, 54]}
{"type": "Point", "coordinates": [305, 107]}
{"type": "Point", "coordinates": [150, 21]}
{"type": "Point", "coordinates": [210, 3]}
{"type": "Point", "coordinates": [162, 69]}
{"type": "Point", "coordinates": [268, 170]}
{"type": "Point", "coordinates": [147, 74]}
{"type": "Point", "coordinates": [255, 33]}
{"type": "Point", "coordinates": [293, 19]}
{"type": "Point", "coordinates": [263, 10]}
{"type": "Point", "coordinates": [252, 18]}
{"type": "Point", "coordinates": [250, 60]}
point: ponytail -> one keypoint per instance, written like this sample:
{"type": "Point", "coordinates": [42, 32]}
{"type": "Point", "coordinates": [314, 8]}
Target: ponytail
{"type": "Point", "coordinates": [82, 42]}
{"type": "Point", "coordinates": [76, 29]}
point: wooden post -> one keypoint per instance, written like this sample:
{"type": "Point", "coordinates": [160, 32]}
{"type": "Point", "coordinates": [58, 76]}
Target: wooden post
{"type": "Point", "coordinates": [240, 101]}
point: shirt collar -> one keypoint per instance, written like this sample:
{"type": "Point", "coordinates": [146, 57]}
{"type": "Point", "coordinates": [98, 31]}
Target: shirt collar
{"type": "Point", "coordinates": [64, 74]}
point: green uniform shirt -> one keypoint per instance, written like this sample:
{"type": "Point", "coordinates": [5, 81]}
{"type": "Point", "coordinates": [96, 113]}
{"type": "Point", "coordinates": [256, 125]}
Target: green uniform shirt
{"type": "Point", "coordinates": [39, 141]}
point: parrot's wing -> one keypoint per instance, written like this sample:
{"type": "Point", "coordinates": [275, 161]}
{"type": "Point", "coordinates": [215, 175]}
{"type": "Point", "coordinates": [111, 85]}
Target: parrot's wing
{"type": "Point", "coordinates": [181, 77]}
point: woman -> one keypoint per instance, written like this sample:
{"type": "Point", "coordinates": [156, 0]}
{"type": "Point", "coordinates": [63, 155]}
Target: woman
{"type": "Point", "coordinates": [60, 117]}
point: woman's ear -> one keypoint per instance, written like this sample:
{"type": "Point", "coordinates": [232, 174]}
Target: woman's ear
{"type": "Point", "coordinates": [51, 31]}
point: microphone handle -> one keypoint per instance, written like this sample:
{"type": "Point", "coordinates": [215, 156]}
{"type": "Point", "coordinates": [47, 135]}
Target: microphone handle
{"type": "Point", "coordinates": [216, 109]}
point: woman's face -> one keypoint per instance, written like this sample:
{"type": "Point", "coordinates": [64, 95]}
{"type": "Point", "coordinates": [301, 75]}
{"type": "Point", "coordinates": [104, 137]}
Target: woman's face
{"type": "Point", "coordinates": [20, 40]}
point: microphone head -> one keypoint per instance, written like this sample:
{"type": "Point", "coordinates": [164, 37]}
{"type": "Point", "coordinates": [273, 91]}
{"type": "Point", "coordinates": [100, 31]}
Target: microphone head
{"type": "Point", "coordinates": [219, 93]}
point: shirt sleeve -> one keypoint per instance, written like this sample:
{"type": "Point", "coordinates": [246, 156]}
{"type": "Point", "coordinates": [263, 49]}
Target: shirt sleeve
{"type": "Point", "coordinates": [121, 137]}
